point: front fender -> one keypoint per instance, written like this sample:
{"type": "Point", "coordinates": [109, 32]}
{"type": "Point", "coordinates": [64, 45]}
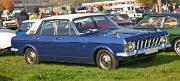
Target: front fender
{"type": "Point", "coordinates": [28, 46]}
{"type": "Point", "coordinates": [103, 47]}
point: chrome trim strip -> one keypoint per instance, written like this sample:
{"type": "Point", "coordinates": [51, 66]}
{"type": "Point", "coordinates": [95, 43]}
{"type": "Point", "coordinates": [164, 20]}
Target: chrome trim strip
{"type": "Point", "coordinates": [149, 43]}
{"type": "Point", "coordinates": [153, 43]}
{"type": "Point", "coordinates": [146, 42]}
{"type": "Point", "coordinates": [142, 44]}
{"type": "Point", "coordinates": [137, 46]}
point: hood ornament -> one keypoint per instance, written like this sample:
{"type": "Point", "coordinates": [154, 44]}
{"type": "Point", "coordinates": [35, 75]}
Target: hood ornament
{"type": "Point", "coordinates": [115, 34]}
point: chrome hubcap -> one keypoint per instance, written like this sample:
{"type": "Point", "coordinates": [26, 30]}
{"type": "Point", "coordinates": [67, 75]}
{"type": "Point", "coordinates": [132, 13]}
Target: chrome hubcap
{"type": "Point", "coordinates": [105, 61]}
{"type": "Point", "coordinates": [31, 57]}
{"type": "Point", "coordinates": [177, 47]}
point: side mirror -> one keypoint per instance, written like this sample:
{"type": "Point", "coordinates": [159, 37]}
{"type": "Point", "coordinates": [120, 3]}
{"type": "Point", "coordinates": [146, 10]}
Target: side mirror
{"type": "Point", "coordinates": [157, 28]}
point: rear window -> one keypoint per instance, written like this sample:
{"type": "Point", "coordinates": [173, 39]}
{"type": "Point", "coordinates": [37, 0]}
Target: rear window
{"type": "Point", "coordinates": [24, 27]}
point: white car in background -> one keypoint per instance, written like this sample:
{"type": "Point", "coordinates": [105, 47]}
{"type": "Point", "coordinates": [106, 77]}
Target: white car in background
{"type": "Point", "coordinates": [7, 34]}
{"type": "Point", "coordinates": [5, 38]}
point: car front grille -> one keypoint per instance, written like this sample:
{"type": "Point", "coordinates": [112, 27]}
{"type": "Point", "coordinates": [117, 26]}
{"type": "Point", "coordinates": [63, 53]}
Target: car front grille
{"type": "Point", "coordinates": [148, 43]}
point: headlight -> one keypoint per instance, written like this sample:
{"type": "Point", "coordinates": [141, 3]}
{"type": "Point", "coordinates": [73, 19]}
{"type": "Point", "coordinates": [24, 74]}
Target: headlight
{"type": "Point", "coordinates": [164, 40]}
{"type": "Point", "coordinates": [130, 46]}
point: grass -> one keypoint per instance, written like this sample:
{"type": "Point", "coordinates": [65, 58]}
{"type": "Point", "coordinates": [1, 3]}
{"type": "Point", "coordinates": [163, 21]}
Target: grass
{"type": "Point", "coordinates": [164, 68]}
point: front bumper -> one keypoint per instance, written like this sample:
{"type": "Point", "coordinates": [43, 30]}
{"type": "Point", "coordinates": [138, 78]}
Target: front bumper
{"type": "Point", "coordinates": [143, 51]}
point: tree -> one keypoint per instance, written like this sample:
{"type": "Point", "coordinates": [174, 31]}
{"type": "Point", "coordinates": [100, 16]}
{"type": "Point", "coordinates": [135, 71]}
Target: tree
{"type": "Point", "coordinates": [170, 1]}
{"type": "Point", "coordinates": [148, 2]}
{"type": "Point", "coordinates": [6, 4]}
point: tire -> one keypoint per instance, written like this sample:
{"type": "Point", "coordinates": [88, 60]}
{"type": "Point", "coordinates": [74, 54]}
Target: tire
{"type": "Point", "coordinates": [105, 60]}
{"type": "Point", "coordinates": [31, 56]}
{"type": "Point", "coordinates": [176, 46]}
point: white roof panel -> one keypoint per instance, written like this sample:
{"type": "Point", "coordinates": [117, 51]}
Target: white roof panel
{"type": "Point", "coordinates": [71, 16]}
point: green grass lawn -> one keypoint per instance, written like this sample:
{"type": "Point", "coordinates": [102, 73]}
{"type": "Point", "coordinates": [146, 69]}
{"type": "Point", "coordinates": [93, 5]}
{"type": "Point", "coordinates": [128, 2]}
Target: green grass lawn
{"type": "Point", "coordinates": [165, 68]}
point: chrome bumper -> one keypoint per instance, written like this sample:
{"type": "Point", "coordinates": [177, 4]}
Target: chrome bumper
{"type": "Point", "coordinates": [142, 51]}
{"type": "Point", "coordinates": [14, 49]}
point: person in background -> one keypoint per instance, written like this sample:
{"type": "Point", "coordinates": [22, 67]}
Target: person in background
{"type": "Point", "coordinates": [63, 11]}
{"type": "Point", "coordinates": [36, 14]}
{"type": "Point", "coordinates": [1, 18]}
{"type": "Point", "coordinates": [73, 11]}
{"type": "Point", "coordinates": [52, 13]}
{"type": "Point", "coordinates": [21, 17]}
{"type": "Point", "coordinates": [101, 10]}
{"type": "Point", "coordinates": [57, 13]}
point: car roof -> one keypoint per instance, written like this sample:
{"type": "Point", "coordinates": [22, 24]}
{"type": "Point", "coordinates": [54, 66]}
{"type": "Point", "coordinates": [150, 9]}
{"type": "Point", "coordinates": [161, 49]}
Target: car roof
{"type": "Point", "coordinates": [68, 17]}
{"type": "Point", "coordinates": [71, 16]}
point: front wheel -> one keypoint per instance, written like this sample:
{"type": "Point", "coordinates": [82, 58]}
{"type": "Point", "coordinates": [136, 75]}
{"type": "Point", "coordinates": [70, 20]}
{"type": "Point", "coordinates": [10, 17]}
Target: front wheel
{"type": "Point", "coordinates": [176, 46]}
{"type": "Point", "coordinates": [31, 56]}
{"type": "Point", "coordinates": [106, 60]}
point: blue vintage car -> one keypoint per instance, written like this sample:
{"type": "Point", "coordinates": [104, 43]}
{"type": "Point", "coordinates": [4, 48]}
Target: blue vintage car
{"type": "Point", "coordinates": [86, 38]}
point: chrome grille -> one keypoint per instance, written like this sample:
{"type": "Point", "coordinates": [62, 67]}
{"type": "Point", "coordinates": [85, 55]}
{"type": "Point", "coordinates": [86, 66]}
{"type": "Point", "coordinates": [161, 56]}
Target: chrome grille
{"type": "Point", "coordinates": [148, 43]}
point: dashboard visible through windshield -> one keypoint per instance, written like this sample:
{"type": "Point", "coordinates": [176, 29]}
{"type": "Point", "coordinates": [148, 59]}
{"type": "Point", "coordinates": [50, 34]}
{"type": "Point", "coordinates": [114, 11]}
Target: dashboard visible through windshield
{"type": "Point", "coordinates": [94, 24]}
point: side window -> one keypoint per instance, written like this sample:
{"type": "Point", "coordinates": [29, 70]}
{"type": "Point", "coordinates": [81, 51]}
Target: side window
{"type": "Point", "coordinates": [64, 28]}
{"type": "Point", "coordinates": [170, 22]}
{"type": "Point", "coordinates": [25, 26]}
{"type": "Point", "coordinates": [48, 27]}
{"type": "Point", "coordinates": [84, 24]}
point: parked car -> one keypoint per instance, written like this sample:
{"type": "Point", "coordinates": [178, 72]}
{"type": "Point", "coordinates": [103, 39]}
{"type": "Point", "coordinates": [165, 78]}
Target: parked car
{"type": "Point", "coordinates": [5, 38]}
{"type": "Point", "coordinates": [166, 22]}
{"type": "Point", "coordinates": [120, 20]}
{"type": "Point", "coordinates": [7, 34]}
{"type": "Point", "coordinates": [86, 38]}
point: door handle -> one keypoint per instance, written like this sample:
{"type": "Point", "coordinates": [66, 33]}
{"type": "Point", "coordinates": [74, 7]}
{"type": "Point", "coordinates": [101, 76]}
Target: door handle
{"type": "Point", "coordinates": [37, 38]}
{"type": "Point", "coordinates": [59, 38]}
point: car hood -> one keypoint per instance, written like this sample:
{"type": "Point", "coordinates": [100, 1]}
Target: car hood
{"type": "Point", "coordinates": [133, 35]}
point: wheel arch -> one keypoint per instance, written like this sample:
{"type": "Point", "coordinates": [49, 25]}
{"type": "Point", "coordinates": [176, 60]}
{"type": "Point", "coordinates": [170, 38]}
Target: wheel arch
{"type": "Point", "coordinates": [28, 46]}
{"type": "Point", "coordinates": [97, 49]}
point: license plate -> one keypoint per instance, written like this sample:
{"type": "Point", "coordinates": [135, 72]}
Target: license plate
{"type": "Point", "coordinates": [151, 50]}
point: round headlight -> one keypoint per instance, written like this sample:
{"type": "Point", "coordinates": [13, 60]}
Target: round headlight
{"type": "Point", "coordinates": [164, 40]}
{"type": "Point", "coordinates": [130, 46]}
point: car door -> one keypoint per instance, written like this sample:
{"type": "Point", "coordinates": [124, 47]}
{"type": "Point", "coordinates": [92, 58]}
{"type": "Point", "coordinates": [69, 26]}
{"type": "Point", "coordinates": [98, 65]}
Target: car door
{"type": "Point", "coordinates": [45, 39]}
{"type": "Point", "coordinates": [65, 42]}
{"type": "Point", "coordinates": [69, 45]}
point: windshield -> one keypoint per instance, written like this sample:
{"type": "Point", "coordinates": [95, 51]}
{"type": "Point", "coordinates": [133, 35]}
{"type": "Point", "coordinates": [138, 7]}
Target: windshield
{"type": "Point", "coordinates": [24, 27]}
{"type": "Point", "coordinates": [150, 22]}
{"type": "Point", "coordinates": [94, 24]}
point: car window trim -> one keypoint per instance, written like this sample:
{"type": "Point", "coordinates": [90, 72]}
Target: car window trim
{"type": "Point", "coordinates": [39, 30]}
